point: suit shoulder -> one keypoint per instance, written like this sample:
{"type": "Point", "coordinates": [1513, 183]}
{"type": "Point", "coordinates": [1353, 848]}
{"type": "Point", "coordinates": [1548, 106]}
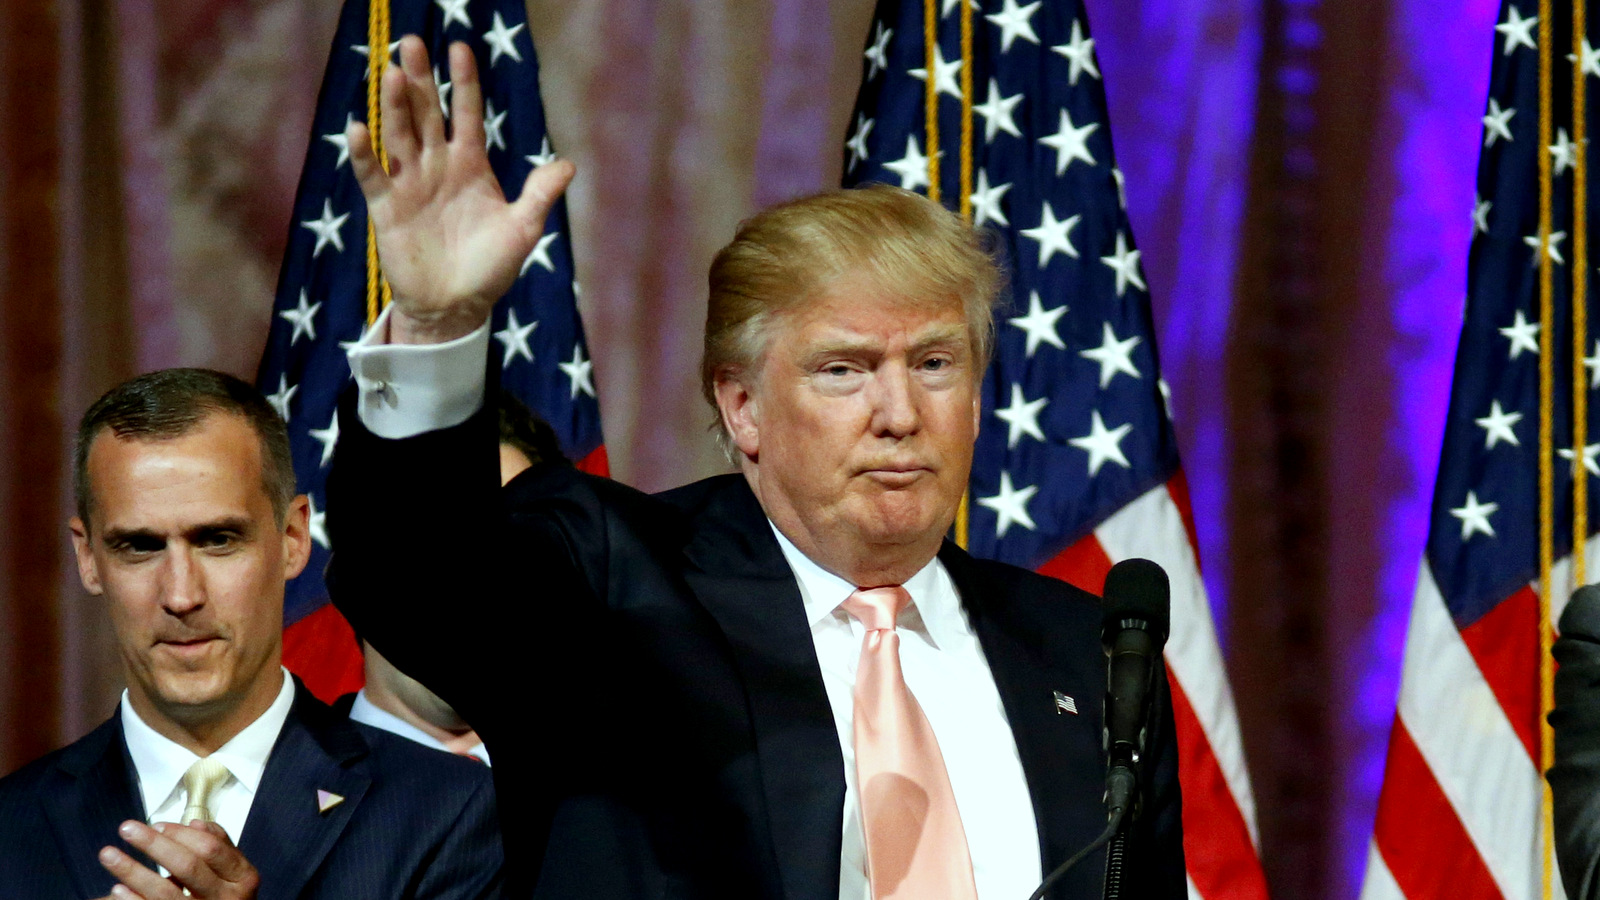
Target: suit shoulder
{"type": "Point", "coordinates": [421, 767]}
{"type": "Point", "coordinates": [26, 781]}
{"type": "Point", "coordinates": [1019, 584]}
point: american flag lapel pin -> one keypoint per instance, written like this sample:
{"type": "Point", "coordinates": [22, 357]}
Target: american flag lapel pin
{"type": "Point", "coordinates": [1065, 704]}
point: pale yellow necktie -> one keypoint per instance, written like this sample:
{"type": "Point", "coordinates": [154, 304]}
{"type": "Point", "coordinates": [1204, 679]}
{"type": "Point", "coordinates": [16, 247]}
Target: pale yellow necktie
{"type": "Point", "coordinates": [205, 776]}
{"type": "Point", "coordinates": [916, 847]}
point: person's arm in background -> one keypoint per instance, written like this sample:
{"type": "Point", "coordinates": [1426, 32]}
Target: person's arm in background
{"type": "Point", "coordinates": [1575, 775]}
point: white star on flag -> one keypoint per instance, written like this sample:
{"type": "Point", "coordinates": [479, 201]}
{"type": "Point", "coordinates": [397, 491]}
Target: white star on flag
{"type": "Point", "coordinates": [986, 201]}
{"type": "Point", "coordinates": [1013, 22]}
{"type": "Point", "coordinates": [1070, 142]}
{"type": "Point", "coordinates": [1589, 462]}
{"type": "Point", "coordinates": [1524, 335]}
{"type": "Point", "coordinates": [1592, 363]}
{"type": "Point", "coordinates": [339, 140]}
{"type": "Point", "coordinates": [454, 11]}
{"type": "Point", "coordinates": [544, 156]}
{"type": "Point", "coordinates": [1079, 51]}
{"type": "Point", "coordinates": [944, 74]}
{"type": "Point", "coordinates": [1053, 235]}
{"type": "Point", "coordinates": [514, 338]}
{"type": "Point", "coordinates": [501, 40]}
{"type": "Point", "coordinates": [281, 398]}
{"type": "Point", "coordinates": [1010, 505]}
{"type": "Point", "coordinates": [877, 55]}
{"type": "Point", "coordinates": [1103, 444]}
{"type": "Point", "coordinates": [1126, 264]}
{"type": "Point", "coordinates": [858, 140]}
{"type": "Point", "coordinates": [1474, 516]}
{"type": "Point", "coordinates": [318, 523]}
{"type": "Point", "coordinates": [1022, 416]}
{"type": "Point", "coordinates": [912, 168]}
{"type": "Point", "coordinates": [540, 254]}
{"type": "Point", "coordinates": [443, 87]}
{"type": "Point", "coordinates": [1113, 355]}
{"type": "Point", "coordinates": [327, 437]}
{"type": "Point", "coordinates": [1591, 59]}
{"type": "Point", "coordinates": [1480, 215]}
{"type": "Point", "coordinates": [1497, 426]}
{"type": "Point", "coordinates": [1497, 123]}
{"type": "Point", "coordinates": [997, 112]}
{"type": "Point", "coordinates": [1517, 30]}
{"type": "Point", "coordinates": [302, 317]}
{"type": "Point", "coordinates": [1564, 151]}
{"type": "Point", "coordinates": [1552, 248]}
{"type": "Point", "coordinates": [580, 371]}
{"type": "Point", "coordinates": [492, 123]}
{"type": "Point", "coordinates": [1040, 324]}
{"type": "Point", "coordinates": [326, 229]}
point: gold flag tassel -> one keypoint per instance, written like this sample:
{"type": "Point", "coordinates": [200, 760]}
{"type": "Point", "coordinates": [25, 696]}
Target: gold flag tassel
{"type": "Point", "coordinates": [378, 293]}
{"type": "Point", "coordinates": [964, 203]}
{"type": "Point", "coordinates": [1546, 438]}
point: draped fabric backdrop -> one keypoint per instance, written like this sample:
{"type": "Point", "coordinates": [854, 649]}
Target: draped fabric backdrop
{"type": "Point", "coordinates": [1299, 178]}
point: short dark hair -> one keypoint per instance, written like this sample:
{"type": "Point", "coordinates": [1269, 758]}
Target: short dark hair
{"type": "Point", "coordinates": [171, 403]}
{"type": "Point", "coordinates": [528, 433]}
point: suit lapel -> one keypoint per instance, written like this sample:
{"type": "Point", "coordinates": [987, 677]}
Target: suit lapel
{"type": "Point", "coordinates": [1032, 657]}
{"type": "Point", "coordinates": [739, 573]}
{"type": "Point", "coordinates": [91, 791]}
{"type": "Point", "coordinates": [286, 836]}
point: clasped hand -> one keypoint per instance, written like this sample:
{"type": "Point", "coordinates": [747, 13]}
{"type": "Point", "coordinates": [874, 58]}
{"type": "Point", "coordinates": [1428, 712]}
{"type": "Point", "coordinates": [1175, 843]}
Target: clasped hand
{"type": "Point", "coordinates": [203, 863]}
{"type": "Point", "coordinates": [450, 243]}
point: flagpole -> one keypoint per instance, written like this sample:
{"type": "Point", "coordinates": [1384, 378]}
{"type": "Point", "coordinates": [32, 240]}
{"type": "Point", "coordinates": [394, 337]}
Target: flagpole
{"type": "Point", "coordinates": [1580, 301]}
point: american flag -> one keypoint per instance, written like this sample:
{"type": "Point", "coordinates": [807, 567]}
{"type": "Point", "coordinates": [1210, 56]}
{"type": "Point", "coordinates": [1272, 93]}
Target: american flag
{"type": "Point", "coordinates": [1460, 811]}
{"type": "Point", "coordinates": [1077, 463]}
{"type": "Point", "coordinates": [321, 302]}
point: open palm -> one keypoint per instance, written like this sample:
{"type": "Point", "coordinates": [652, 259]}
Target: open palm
{"type": "Point", "coordinates": [449, 242]}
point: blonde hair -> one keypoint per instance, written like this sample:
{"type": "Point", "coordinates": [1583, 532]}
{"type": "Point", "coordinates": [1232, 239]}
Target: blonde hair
{"type": "Point", "coordinates": [785, 257]}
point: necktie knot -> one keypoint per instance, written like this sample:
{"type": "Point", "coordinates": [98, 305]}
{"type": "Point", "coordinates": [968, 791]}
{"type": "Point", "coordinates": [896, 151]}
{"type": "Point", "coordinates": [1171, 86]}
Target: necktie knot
{"type": "Point", "coordinates": [203, 778]}
{"type": "Point", "coordinates": [877, 608]}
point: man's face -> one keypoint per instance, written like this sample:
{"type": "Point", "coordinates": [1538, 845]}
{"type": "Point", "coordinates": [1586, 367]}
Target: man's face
{"type": "Point", "coordinates": [183, 545]}
{"type": "Point", "coordinates": [858, 428]}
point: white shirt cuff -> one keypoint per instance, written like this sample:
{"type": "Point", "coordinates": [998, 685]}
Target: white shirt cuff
{"type": "Point", "coordinates": [407, 389]}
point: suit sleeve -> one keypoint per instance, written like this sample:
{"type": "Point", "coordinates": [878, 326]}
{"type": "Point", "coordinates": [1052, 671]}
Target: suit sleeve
{"type": "Point", "coordinates": [1575, 775]}
{"type": "Point", "coordinates": [468, 863]}
{"type": "Point", "coordinates": [435, 571]}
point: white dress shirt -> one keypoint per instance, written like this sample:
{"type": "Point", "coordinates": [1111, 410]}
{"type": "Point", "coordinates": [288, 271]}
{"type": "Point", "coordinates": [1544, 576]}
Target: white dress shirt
{"type": "Point", "coordinates": [363, 711]}
{"type": "Point", "coordinates": [406, 390]}
{"type": "Point", "coordinates": [161, 763]}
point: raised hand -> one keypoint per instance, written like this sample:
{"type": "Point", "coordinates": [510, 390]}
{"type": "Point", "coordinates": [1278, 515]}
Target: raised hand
{"type": "Point", "coordinates": [449, 242]}
{"type": "Point", "coordinates": [203, 863]}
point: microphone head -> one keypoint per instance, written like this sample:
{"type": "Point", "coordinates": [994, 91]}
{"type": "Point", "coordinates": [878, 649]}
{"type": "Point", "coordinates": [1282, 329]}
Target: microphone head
{"type": "Point", "coordinates": [1137, 595]}
{"type": "Point", "coordinates": [1583, 611]}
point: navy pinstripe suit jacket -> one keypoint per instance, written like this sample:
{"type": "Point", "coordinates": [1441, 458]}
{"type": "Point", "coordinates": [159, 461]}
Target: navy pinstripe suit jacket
{"type": "Point", "coordinates": [414, 823]}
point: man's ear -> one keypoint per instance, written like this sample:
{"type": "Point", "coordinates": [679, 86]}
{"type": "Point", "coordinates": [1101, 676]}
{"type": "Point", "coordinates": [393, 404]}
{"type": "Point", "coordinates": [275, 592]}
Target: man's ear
{"type": "Point", "coordinates": [88, 569]}
{"type": "Point", "coordinates": [741, 414]}
{"type": "Point", "coordinates": [296, 536]}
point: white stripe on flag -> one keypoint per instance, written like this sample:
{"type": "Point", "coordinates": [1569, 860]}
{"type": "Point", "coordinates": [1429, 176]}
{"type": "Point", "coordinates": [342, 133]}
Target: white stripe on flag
{"type": "Point", "coordinates": [1152, 527]}
{"type": "Point", "coordinates": [1466, 739]}
{"type": "Point", "coordinates": [1379, 883]}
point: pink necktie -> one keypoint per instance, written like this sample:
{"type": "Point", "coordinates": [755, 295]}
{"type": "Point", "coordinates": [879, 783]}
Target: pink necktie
{"type": "Point", "coordinates": [916, 848]}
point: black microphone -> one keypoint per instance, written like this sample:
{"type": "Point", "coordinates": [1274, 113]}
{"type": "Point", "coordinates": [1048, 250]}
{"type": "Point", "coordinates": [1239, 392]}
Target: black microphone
{"type": "Point", "coordinates": [1132, 631]}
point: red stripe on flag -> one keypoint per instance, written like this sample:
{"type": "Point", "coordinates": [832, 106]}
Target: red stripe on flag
{"type": "Point", "coordinates": [1423, 842]}
{"type": "Point", "coordinates": [596, 463]}
{"type": "Point", "coordinates": [1178, 490]}
{"type": "Point", "coordinates": [321, 648]}
{"type": "Point", "coordinates": [1216, 842]}
{"type": "Point", "coordinates": [1505, 644]}
{"type": "Point", "coordinates": [1083, 565]}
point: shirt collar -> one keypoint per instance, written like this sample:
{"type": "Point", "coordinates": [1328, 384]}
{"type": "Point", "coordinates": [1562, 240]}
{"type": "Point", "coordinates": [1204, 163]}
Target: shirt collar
{"type": "Point", "coordinates": [161, 762]}
{"type": "Point", "coordinates": [367, 713]}
{"type": "Point", "coordinates": [933, 595]}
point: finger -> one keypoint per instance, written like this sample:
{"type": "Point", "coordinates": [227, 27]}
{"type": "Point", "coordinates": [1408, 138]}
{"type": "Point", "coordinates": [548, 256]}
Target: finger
{"type": "Point", "coordinates": [364, 162]}
{"type": "Point", "coordinates": [466, 97]}
{"type": "Point", "coordinates": [210, 842]}
{"type": "Point", "coordinates": [399, 134]}
{"type": "Point", "coordinates": [540, 193]}
{"type": "Point", "coordinates": [422, 95]}
{"type": "Point", "coordinates": [186, 866]}
{"type": "Point", "coordinates": [137, 881]}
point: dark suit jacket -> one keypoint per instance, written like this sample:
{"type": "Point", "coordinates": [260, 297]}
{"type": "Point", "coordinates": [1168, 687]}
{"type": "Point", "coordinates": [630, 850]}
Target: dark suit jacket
{"type": "Point", "coordinates": [414, 822]}
{"type": "Point", "coordinates": [1575, 775]}
{"type": "Point", "coordinates": [686, 747]}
